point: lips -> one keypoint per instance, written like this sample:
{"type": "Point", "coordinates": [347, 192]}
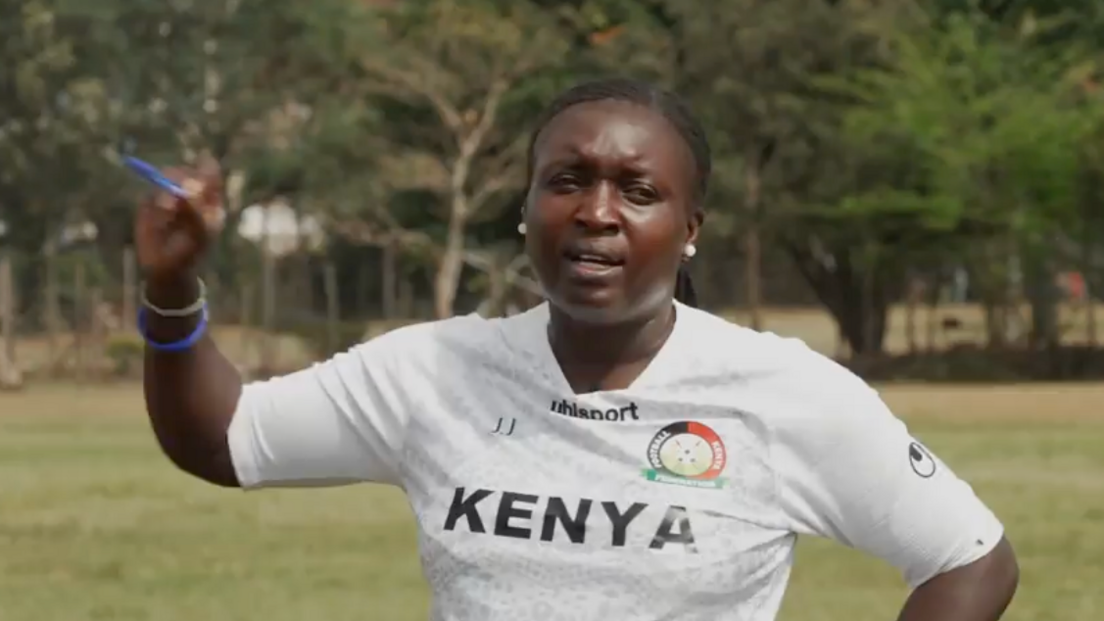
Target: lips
{"type": "Point", "coordinates": [595, 255]}
{"type": "Point", "coordinates": [593, 262]}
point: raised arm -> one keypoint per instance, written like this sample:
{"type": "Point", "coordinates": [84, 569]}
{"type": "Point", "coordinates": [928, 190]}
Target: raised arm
{"type": "Point", "coordinates": [337, 422]}
{"type": "Point", "coordinates": [191, 393]}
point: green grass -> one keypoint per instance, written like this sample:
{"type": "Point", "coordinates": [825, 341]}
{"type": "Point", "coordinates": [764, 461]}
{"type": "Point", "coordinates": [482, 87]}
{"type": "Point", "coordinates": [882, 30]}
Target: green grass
{"type": "Point", "coordinates": [95, 524]}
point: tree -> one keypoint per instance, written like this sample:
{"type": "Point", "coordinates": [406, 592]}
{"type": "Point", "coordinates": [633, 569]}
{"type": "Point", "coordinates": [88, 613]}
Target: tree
{"type": "Point", "coordinates": [223, 79]}
{"type": "Point", "coordinates": [992, 129]}
{"type": "Point", "coordinates": [751, 68]}
{"type": "Point", "coordinates": [745, 63]}
{"type": "Point", "coordinates": [460, 78]}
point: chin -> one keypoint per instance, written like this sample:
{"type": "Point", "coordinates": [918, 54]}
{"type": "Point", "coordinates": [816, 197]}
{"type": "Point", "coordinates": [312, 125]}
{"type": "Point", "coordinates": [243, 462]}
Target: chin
{"type": "Point", "coordinates": [604, 307]}
{"type": "Point", "coordinates": [594, 307]}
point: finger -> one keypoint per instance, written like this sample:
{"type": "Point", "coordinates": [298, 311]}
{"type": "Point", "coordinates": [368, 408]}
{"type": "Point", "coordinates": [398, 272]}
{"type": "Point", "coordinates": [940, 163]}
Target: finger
{"type": "Point", "coordinates": [202, 211]}
{"type": "Point", "coordinates": [202, 185]}
{"type": "Point", "coordinates": [153, 226]}
{"type": "Point", "coordinates": [166, 200]}
{"type": "Point", "coordinates": [180, 250]}
{"type": "Point", "coordinates": [153, 218]}
{"type": "Point", "coordinates": [211, 196]}
{"type": "Point", "coordinates": [183, 238]}
{"type": "Point", "coordinates": [201, 222]}
{"type": "Point", "coordinates": [178, 174]}
{"type": "Point", "coordinates": [209, 171]}
{"type": "Point", "coordinates": [187, 179]}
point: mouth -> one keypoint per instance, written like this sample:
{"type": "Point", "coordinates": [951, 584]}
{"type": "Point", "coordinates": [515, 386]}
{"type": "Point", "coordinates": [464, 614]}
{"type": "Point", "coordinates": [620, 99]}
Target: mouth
{"type": "Point", "coordinates": [592, 262]}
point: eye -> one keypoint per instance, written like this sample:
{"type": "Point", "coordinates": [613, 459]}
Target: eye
{"type": "Point", "coordinates": [564, 181]}
{"type": "Point", "coordinates": [641, 194]}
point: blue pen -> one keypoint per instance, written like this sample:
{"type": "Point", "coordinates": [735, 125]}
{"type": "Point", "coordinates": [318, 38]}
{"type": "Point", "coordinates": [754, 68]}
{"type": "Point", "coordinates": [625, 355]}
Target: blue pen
{"type": "Point", "coordinates": [150, 173]}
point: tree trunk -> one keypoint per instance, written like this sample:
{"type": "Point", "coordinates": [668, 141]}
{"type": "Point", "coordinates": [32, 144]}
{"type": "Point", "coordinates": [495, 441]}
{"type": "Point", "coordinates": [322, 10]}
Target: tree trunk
{"type": "Point", "coordinates": [752, 247]}
{"type": "Point", "coordinates": [389, 266]}
{"type": "Point", "coordinates": [859, 302]}
{"type": "Point", "coordinates": [10, 375]}
{"type": "Point", "coordinates": [912, 303]}
{"type": "Point", "coordinates": [1043, 297]}
{"type": "Point", "coordinates": [51, 303]}
{"type": "Point", "coordinates": [451, 264]}
{"type": "Point", "coordinates": [996, 325]}
{"type": "Point", "coordinates": [333, 312]}
{"type": "Point", "coordinates": [130, 287]}
{"type": "Point", "coordinates": [1087, 258]}
{"type": "Point", "coordinates": [498, 290]}
{"type": "Point", "coordinates": [995, 298]}
{"type": "Point", "coordinates": [269, 344]}
{"type": "Point", "coordinates": [931, 346]}
{"type": "Point", "coordinates": [80, 316]}
{"type": "Point", "coordinates": [1090, 318]}
{"type": "Point", "coordinates": [864, 324]}
{"type": "Point", "coordinates": [406, 299]}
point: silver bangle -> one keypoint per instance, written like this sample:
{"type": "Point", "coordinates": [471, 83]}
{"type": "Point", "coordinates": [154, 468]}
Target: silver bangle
{"type": "Point", "coordinates": [188, 311]}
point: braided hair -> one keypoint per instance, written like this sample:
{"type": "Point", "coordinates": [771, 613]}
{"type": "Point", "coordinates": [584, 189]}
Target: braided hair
{"type": "Point", "coordinates": [666, 103]}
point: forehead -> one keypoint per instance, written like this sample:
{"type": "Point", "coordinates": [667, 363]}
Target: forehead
{"type": "Point", "coordinates": [615, 133]}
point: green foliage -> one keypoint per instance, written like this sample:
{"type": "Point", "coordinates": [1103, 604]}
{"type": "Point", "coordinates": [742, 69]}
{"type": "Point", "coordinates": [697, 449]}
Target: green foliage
{"type": "Point", "coordinates": [883, 138]}
{"type": "Point", "coordinates": [990, 126]}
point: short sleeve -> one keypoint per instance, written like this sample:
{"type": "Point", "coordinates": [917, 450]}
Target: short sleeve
{"type": "Point", "coordinates": [337, 422]}
{"type": "Point", "coordinates": [852, 472]}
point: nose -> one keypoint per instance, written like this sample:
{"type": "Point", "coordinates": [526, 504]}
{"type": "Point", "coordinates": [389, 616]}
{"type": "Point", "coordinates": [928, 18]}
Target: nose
{"type": "Point", "coordinates": [597, 211]}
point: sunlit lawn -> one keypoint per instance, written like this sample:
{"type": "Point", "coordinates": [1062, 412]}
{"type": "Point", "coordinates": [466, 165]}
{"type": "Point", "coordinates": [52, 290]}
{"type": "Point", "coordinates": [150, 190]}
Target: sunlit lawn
{"type": "Point", "coordinates": [94, 524]}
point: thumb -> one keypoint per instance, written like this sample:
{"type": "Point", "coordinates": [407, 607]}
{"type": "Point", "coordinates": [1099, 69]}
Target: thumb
{"type": "Point", "coordinates": [205, 189]}
{"type": "Point", "coordinates": [194, 223]}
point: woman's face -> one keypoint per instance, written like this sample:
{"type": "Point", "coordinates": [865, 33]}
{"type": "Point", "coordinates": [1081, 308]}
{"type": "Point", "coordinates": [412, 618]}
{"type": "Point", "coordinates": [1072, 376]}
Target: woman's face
{"type": "Point", "coordinates": [610, 210]}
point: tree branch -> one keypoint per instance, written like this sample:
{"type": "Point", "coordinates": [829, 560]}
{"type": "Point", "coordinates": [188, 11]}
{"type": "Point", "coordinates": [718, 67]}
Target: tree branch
{"type": "Point", "coordinates": [366, 233]}
{"type": "Point", "coordinates": [508, 167]}
{"type": "Point", "coordinates": [402, 83]}
{"type": "Point", "coordinates": [470, 145]}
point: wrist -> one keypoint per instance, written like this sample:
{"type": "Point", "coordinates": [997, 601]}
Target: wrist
{"type": "Point", "coordinates": [173, 310]}
{"type": "Point", "coordinates": [172, 335]}
{"type": "Point", "coordinates": [171, 291]}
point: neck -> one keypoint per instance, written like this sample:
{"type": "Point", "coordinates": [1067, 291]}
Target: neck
{"type": "Point", "coordinates": [588, 353]}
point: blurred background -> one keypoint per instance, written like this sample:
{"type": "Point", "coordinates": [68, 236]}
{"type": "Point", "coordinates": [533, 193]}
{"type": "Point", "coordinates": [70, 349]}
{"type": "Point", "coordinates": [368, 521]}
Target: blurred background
{"type": "Point", "coordinates": [915, 188]}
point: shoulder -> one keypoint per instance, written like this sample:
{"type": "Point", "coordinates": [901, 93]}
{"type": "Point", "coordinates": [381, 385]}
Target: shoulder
{"type": "Point", "coordinates": [821, 405]}
{"type": "Point", "coordinates": [753, 355]}
{"type": "Point", "coordinates": [800, 385]}
{"type": "Point", "coordinates": [428, 333]}
{"type": "Point", "coordinates": [465, 336]}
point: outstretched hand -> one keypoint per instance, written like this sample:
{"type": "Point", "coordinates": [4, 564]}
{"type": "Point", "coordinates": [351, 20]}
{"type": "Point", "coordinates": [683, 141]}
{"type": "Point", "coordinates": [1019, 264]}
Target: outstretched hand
{"type": "Point", "coordinates": [172, 234]}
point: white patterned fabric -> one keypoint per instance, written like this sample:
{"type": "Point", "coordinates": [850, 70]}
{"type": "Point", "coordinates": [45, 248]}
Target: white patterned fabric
{"type": "Point", "coordinates": [679, 499]}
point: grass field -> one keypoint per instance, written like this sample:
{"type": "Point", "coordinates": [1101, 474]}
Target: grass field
{"type": "Point", "coordinates": [94, 523]}
{"type": "Point", "coordinates": [812, 325]}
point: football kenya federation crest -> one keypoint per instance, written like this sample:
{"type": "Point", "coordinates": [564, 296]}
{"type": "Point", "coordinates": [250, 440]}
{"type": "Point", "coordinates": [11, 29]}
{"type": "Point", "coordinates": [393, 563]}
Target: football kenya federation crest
{"type": "Point", "coordinates": [687, 453]}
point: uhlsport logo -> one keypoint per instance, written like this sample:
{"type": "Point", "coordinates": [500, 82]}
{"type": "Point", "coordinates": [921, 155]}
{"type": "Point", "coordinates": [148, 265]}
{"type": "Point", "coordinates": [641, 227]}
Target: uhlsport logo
{"type": "Point", "coordinates": [687, 453]}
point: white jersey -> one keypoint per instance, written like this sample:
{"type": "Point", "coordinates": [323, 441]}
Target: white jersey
{"type": "Point", "coordinates": [679, 498]}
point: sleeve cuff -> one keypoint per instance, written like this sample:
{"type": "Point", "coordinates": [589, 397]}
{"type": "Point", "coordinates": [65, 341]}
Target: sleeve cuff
{"type": "Point", "coordinates": [984, 542]}
{"type": "Point", "coordinates": [241, 443]}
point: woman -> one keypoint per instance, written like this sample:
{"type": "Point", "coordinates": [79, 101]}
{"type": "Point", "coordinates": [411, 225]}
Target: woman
{"type": "Point", "coordinates": [613, 453]}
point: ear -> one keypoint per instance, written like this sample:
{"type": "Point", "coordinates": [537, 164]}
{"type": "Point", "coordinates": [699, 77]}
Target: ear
{"type": "Point", "coordinates": [693, 226]}
{"type": "Point", "coordinates": [526, 200]}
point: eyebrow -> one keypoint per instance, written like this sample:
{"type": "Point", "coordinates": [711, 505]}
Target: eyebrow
{"type": "Point", "coordinates": [575, 155]}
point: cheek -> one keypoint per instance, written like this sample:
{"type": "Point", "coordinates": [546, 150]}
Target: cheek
{"type": "Point", "coordinates": [657, 235]}
{"type": "Point", "coordinates": [544, 224]}
{"type": "Point", "coordinates": [538, 206]}
{"type": "Point", "coordinates": [546, 215]}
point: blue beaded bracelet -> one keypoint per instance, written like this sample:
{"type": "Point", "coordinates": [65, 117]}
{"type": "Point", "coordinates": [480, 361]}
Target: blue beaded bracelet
{"type": "Point", "coordinates": [177, 346]}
